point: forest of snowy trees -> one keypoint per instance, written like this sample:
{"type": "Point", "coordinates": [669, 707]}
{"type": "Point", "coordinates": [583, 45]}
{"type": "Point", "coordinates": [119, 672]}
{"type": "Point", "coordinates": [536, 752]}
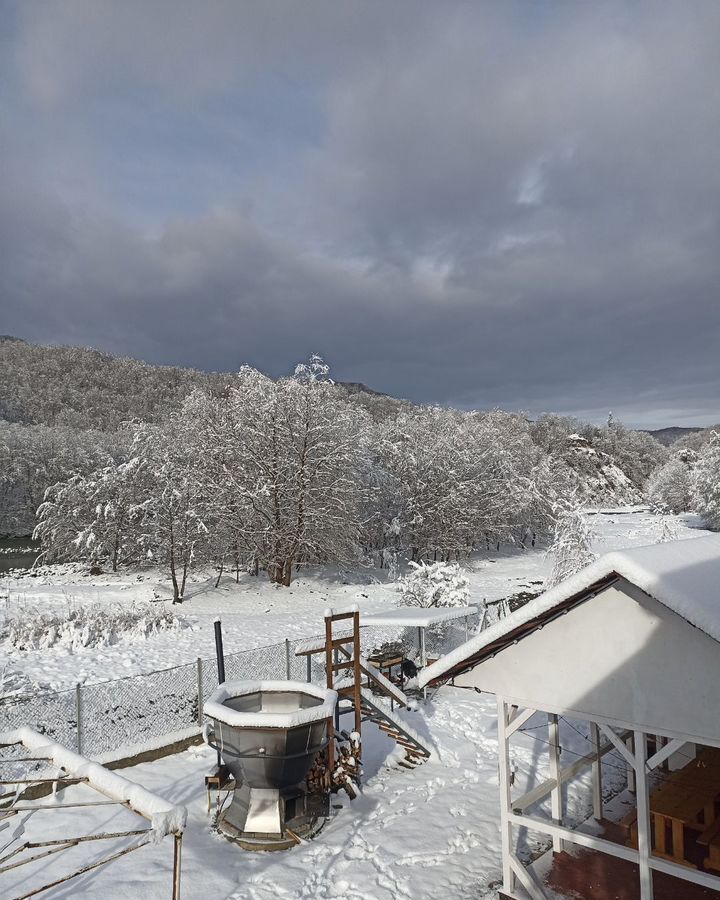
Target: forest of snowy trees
{"type": "Point", "coordinates": [126, 464]}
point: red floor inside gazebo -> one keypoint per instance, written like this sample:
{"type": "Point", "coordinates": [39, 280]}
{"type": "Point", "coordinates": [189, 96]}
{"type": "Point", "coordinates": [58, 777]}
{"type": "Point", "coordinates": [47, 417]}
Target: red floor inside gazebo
{"type": "Point", "coordinates": [590, 875]}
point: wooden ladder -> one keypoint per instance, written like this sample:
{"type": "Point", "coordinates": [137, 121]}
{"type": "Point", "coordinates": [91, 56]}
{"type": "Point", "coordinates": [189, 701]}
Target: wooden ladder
{"type": "Point", "coordinates": [333, 647]}
{"type": "Point", "coordinates": [340, 659]}
{"type": "Point", "coordinates": [396, 728]}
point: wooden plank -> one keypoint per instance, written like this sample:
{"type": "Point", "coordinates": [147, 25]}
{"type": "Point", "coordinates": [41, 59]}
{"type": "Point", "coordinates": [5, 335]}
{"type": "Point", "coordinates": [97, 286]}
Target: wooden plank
{"type": "Point", "coordinates": [678, 840]}
{"type": "Point", "coordinates": [338, 667]}
{"type": "Point", "coordinates": [659, 828]}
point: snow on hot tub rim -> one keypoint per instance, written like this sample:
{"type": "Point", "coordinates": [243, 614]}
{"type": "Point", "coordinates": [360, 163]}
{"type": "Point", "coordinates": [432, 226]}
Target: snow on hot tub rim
{"type": "Point", "coordinates": [215, 708]}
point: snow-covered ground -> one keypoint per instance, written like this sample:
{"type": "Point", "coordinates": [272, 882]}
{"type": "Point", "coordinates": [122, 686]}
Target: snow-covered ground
{"type": "Point", "coordinates": [428, 833]}
{"type": "Point", "coordinates": [254, 612]}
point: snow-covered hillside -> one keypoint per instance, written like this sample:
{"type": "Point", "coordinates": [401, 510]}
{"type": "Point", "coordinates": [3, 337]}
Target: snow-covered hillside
{"type": "Point", "coordinates": [596, 477]}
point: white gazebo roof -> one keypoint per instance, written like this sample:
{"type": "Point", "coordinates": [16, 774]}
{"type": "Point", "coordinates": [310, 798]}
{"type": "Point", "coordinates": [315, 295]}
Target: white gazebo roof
{"type": "Point", "coordinates": [418, 616]}
{"type": "Point", "coordinates": [683, 575]}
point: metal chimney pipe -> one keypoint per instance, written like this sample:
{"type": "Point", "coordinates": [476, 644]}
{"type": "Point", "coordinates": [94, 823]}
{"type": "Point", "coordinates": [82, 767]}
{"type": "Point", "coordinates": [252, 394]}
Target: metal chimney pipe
{"type": "Point", "coordinates": [219, 651]}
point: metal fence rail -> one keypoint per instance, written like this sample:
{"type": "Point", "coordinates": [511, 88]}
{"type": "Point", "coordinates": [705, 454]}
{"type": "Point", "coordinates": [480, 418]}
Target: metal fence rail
{"type": "Point", "coordinates": [130, 711]}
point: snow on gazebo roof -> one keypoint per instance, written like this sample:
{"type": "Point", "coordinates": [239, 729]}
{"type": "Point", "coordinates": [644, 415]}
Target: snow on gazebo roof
{"type": "Point", "coordinates": [683, 575]}
{"type": "Point", "coordinates": [418, 616]}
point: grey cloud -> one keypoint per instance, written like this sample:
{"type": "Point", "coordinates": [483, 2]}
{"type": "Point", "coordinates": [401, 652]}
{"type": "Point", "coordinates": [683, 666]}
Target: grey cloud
{"type": "Point", "coordinates": [498, 205]}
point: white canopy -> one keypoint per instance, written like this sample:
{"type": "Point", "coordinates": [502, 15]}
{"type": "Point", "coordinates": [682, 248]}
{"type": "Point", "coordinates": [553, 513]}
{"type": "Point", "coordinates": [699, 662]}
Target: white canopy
{"type": "Point", "coordinates": [418, 616]}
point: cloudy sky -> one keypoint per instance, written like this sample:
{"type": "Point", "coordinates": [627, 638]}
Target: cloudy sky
{"type": "Point", "coordinates": [482, 204]}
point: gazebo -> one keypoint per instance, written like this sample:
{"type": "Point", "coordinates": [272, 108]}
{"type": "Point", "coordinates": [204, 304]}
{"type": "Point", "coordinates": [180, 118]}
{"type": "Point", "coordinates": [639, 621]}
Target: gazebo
{"type": "Point", "coordinates": [420, 618]}
{"type": "Point", "coordinates": [630, 645]}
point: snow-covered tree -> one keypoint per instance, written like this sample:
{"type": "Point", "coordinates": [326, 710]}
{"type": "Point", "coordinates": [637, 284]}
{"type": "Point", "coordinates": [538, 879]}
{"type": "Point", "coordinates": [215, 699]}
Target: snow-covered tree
{"type": "Point", "coordinates": [95, 517]}
{"type": "Point", "coordinates": [434, 584]}
{"type": "Point", "coordinates": [282, 460]}
{"type": "Point", "coordinates": [707, 481]}
{"type": "Point", "coordinates": [173, 529]}
{"type": "Point", "coordinates": [666, 529]}
{"type": "Point", "coordinates": [34, 457]}
{"type": "Point", "coordinates": [454, 481]}
{"type": "Point", "coordinates": [670, 488]}
{"type": "Point", "coordinates": [571, 549]}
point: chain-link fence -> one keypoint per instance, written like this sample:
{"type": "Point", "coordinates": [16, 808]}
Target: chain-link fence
{"type": "Point", "coordinates": [131, 711]}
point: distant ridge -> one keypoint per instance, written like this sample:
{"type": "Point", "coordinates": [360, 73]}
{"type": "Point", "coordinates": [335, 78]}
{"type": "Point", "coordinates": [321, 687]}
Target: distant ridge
{"type": "Point", "coordinates": [357, 387]}
{"type": "Point", "coordinates": [667, 436]}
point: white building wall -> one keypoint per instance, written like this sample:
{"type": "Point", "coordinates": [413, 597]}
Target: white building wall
{"type": "Point", "coordinates": [621, 657]}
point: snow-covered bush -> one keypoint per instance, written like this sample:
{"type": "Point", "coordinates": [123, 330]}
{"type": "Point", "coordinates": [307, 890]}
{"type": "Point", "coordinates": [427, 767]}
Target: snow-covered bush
{"type": "Point", "coordinates": [571, 547]}
{"type": "Point", "coordinates": [707, 481]}
{"type": "Point", "coordinates": [434, 584]}
{"type": "Point", "coordinates": [76, 625]}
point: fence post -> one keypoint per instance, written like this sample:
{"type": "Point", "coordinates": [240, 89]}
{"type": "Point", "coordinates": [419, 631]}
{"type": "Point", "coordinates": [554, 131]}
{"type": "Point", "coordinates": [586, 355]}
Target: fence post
{"type": "Point", "coordinates": [200, 691]}
{"type": "Point", "coordinates": [78, 716]}
{"type": "Point", "coordinates": [309, 668]}
{"type": "Point", "coordinates": [287, 659]}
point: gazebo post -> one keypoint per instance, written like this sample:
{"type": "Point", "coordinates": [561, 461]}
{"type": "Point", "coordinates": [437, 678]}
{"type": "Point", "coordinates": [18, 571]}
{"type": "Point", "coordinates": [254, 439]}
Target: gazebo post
{"type": "Point", "coordinates": [630, 744]}
{"type": "Point", "coordinates": [596, 772]}
{"type": "Point", "coordinates": [556, 793]}
{"type": "Point", "coordinates": [505, 796]}
{"type": "Point", "coordinates": [423, 654]}
{"type": "Point", "coordinates": [642, 798]}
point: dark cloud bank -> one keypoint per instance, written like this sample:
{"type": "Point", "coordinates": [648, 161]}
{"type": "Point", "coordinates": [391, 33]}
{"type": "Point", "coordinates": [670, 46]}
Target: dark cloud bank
{"type": "Point", "coordinates": [510, 204]}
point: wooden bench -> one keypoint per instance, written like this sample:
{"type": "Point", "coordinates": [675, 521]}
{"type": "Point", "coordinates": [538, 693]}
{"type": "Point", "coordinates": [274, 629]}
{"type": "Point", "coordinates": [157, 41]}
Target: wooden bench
{"type": "Point", "coordinates": [710, 838]}
{"type": "Point", "coordinates": [629, 824]}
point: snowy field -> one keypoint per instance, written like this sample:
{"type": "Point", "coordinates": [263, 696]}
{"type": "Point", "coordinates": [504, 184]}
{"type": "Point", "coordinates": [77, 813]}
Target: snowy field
{"type": "Point", "coordinates": [254, 612]}
{"type": "Point", "coordinates": [428, 833]}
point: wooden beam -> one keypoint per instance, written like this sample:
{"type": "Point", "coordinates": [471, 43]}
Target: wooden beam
{"type": "Point", "coordinates": [338, 617]}
{"type": "Point", "coordinates": [177, 863]}
{"type": "Point", "coordinates": [642, 795]}
{"type": "Point", "coordinates": [556, 792]}
{"type": "Point", "coordinates": [505, 811]}
{"type": "Point", "coordinates": [519, 718]}
{"type": "Point", "coordinates": [528, 879]}
{"type": "Point", "coordinates": [329, 685]}
{"type": "Point", "coordinates": [357, 668]}
{"type": "Point", "coordinates": [544, 788]}
{"type": "Point", "coordinates": [695, 876]}
{"type": "Point", "coordinates": [618, 743]}
{"type": "Point", "coordinates": [545, 826]}
{"type": "Point", "coordinates": [664, 753]}
{"type": "Point", "coordinates": [596, 772]}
